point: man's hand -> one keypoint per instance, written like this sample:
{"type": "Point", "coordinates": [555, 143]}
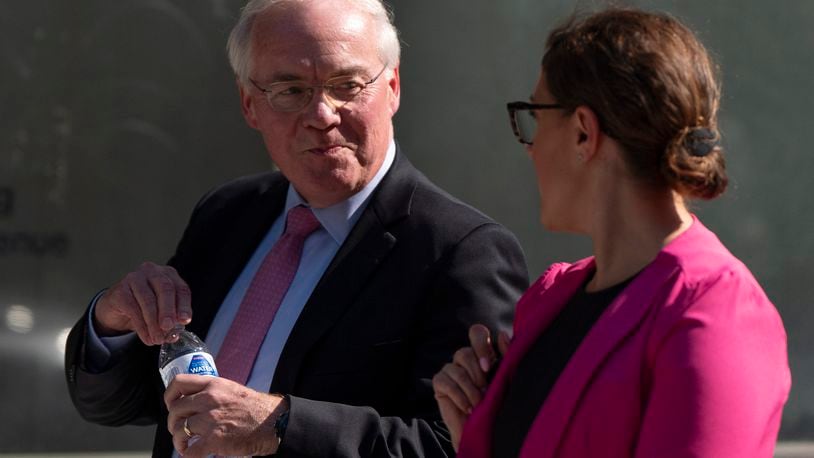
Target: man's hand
{"type": "Point", "coordinates": [460, 385]}
{"type": "Point", "coordinates": [149, 301]}
{"type": "Point", "coordinates": [227, 418]}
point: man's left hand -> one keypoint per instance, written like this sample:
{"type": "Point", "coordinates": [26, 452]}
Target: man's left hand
{"type": "Point", "coordinates": [225, 418]}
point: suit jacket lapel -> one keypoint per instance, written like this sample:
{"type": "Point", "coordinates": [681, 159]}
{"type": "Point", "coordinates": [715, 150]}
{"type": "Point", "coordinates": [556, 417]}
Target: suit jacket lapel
{"type": "Point", "coordinates": [621, 318]}
{"type": "Point", "coordinates": [248, 231]}
{"type": "Point", "coordinates": [367, 244]}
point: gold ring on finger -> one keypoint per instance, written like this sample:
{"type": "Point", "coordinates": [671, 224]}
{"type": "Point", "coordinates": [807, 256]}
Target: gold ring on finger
{"type": "Point", "coordinates": [186, 428]}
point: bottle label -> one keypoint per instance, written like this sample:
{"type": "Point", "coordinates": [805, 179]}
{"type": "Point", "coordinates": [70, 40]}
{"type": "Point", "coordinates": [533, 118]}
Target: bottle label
{"type": "Point", "coordinates": [198, 363]}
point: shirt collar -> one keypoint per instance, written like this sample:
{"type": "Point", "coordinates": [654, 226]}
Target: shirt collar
{"type": "Point", "coordinates": [338, 219]}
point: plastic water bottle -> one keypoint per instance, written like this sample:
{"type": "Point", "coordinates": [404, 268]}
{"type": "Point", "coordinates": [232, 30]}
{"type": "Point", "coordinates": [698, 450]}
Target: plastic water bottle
{"type": "Point", "coordinates": [184, 353]}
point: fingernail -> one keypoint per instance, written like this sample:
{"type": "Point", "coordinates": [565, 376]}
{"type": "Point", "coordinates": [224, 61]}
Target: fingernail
{"type": "Point", "coordinates": [484, 364]}
{"type": "Point", "coordinates": [469, 411]}
{"type": "Point", "coordinates": [184, 316]}
{"type": "Point", "coordinates": [167, 324]}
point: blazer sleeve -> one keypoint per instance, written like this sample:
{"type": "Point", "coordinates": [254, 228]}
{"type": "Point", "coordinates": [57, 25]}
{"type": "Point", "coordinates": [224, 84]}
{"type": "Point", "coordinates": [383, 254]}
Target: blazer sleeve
{"type": "Point", "coordinates": [129, 390]}
{"type": "Point", "coordinates": [124, 393]}
{"type": "Point", "coordinates": [477, 281]}
{"type": "Point", "coordinates": [720, 375]}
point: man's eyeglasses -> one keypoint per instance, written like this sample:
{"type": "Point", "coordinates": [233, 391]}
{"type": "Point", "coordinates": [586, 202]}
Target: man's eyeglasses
{"type": "Point", "coordinates": [524, 122]}
{"type": "Point", "coordinates": [290, 96]}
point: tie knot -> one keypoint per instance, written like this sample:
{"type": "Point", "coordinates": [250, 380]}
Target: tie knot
{"type": "Point", "coordinates": [301, 221]}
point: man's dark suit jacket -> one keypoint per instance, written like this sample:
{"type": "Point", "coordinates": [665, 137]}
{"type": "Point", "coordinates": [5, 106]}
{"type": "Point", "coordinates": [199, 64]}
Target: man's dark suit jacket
{"type": "Point", "coordinates": [415, 272]}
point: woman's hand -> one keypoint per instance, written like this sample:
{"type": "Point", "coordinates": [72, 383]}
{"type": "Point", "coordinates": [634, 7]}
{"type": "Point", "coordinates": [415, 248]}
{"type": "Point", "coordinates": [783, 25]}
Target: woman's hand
{"type": "Point", "coordinates": [460, 385]}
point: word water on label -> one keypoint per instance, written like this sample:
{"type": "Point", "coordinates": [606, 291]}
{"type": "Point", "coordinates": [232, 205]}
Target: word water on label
{"type": "Point", "coordinates": [198, 363]}
{"type": "Point", "coordinates": [200, 366]}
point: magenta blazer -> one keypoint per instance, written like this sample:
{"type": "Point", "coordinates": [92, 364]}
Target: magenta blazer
{"type": "Point", "coordinates": [688, 361]}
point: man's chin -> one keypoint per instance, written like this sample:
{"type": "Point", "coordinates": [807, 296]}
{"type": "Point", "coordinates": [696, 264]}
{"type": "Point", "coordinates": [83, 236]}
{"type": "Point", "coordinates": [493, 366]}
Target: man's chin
{"type": "Point", "coordinates": [330, 188]}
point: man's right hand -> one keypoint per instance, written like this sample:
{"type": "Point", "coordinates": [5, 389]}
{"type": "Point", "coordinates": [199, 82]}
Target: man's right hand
{"type": "Point", "coordinates": [149, 301]}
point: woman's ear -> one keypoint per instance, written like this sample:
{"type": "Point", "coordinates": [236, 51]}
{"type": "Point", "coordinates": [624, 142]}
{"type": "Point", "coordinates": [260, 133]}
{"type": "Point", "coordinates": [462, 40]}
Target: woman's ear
{"type": "Point", "coordinates": [588, 132]}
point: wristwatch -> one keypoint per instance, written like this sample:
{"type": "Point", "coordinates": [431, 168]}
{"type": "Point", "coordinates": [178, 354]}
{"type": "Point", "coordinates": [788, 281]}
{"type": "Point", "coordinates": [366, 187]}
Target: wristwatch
{"type": "Point", "coordinates": [282, 421]}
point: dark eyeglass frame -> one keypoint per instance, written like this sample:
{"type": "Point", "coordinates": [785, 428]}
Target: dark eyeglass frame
{"type": "Point", "coordinates": [312, 88]}
{"type": "Point", "coordinates": [514, 107]}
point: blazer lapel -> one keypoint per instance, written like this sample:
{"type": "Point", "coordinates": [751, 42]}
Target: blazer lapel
{"type": "Point", "coordinates": [620, 319]}
{"type": "Point", "coordinates": [367, 244]}
{"type": "Point", "coordinates": [534, 313]}
{"type": "Point", "coordinates": [538, 318]}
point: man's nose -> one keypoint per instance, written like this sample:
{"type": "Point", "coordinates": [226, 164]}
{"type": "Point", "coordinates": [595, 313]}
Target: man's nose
{"type": "Point", "coordinates": [322, 112]}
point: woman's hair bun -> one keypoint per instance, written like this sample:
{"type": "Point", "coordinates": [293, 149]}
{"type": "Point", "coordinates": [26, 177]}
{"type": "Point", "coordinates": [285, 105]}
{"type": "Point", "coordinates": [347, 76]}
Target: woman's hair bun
{"type": "Point", "coordinates": [694, 164]}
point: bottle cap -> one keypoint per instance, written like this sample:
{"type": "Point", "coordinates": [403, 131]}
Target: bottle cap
{"type": "Point", "coordinates": [173, 334]}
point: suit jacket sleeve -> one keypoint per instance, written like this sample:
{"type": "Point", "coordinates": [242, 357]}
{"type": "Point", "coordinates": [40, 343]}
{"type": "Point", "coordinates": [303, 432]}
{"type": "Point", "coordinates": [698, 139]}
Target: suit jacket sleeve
{"type": "Point", "coordinates": [476, 281]}
{"type": "Point", "coordinates": [129, 390]}
{"type": "Point", "coordinates": [102, 397]}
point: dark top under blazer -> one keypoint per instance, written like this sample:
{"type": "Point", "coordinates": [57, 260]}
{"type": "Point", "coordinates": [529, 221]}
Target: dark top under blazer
{"type": "Point", "coordinates": [415, 272]}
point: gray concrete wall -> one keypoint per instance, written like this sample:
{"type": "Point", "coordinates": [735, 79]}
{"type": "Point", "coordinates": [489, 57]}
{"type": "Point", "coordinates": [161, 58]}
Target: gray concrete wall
{"type": "Point", "coordinates": [116, 116]}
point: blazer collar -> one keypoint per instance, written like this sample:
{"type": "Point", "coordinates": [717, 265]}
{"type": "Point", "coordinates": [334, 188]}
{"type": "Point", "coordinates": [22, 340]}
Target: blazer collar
{"type": "Point", "coordinates": [622, 317]}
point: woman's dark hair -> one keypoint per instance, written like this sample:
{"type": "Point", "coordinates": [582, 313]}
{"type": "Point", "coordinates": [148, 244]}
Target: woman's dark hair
{"type": "Point", "coordinates": [653, 88]}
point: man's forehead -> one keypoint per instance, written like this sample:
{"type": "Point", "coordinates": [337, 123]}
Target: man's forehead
{"type": "Point", "coordinates": [314, 31]}
{"type": "Point", "coordinates": [306, 53]}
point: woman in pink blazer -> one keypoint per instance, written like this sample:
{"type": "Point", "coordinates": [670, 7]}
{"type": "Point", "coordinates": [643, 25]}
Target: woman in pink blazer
{"type": "Point", "coordinates": [662, 344]}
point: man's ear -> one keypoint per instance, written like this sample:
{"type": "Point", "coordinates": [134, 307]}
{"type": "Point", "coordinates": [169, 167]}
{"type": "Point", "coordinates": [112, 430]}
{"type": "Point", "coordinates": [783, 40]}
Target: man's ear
{"type": "Point", "coordinates": [247, 105]}
{"type": "Point", "coordinates": [588, 132]}
{"type": "Point", "coordinates": [394, 87]}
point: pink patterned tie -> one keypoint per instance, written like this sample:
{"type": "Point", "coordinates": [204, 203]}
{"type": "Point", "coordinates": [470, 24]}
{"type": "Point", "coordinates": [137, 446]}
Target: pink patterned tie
{"type": "Point", "coordinates": [262, 300]}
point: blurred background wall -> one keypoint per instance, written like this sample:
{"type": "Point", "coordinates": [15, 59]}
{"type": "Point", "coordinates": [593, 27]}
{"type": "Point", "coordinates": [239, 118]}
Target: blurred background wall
{"type": "Point", "coordinates": [116, 116]}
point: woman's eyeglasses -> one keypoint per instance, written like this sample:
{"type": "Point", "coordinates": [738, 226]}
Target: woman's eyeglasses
{"type": "Point", "coordinates": [524, 121]}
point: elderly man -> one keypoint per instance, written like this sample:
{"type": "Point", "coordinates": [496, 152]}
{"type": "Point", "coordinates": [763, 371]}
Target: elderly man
{"type": "Point", "coordinates": [330, 292]}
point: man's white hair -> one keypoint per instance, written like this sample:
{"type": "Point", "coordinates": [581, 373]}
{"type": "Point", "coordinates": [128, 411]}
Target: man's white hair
{"type": "Point", "coordinates": [239, 46]}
